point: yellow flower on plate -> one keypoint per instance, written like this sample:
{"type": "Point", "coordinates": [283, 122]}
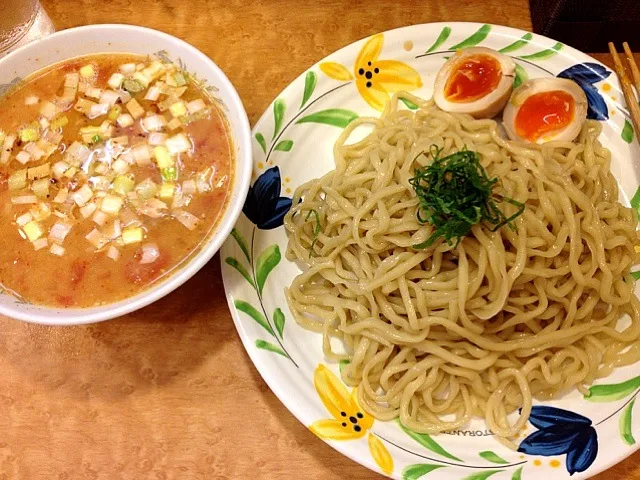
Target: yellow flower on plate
{"type": "Point", "coordinates": [376, 79]}
{"type": "Point", "coordinates": [349, 422]}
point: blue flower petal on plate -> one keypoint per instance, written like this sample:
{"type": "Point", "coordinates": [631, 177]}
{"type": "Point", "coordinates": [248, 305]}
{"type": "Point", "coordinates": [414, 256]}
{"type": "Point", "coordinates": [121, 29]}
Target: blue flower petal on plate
{"type": "Point", "coordinates": [277, 214]}
{"type": "Point", "coordinates": [264, 205]}
{"type": "Point", "coordinates": [550, 441]}
{"type": "Point", "coordinates": [542, 417]}
{"type": "Point", "coordinates": [597, 106]}
{"type": "Point", "coordinates": [583, 451]}
{"type": "Point", "coordinates": [588, 72]}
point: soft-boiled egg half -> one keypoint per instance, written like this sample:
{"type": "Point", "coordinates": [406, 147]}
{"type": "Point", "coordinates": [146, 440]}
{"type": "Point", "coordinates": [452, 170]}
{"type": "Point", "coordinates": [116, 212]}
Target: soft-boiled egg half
{"type": "Point", "coordinates": [476, 80]}
{"type": "Point", "coordinates": [545, 109]}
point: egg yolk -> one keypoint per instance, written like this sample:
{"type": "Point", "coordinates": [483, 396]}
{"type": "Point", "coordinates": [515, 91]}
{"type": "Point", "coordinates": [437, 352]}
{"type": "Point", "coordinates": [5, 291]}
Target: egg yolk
{"type": "Point", "coordinates": [543, 113]}
{"type": "Point", "coordinates": [472, 78]}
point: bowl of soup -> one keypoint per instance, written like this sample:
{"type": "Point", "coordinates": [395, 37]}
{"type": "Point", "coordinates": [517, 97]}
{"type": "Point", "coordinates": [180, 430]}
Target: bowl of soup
{"type": "Point", "coordinates": [125, 158]}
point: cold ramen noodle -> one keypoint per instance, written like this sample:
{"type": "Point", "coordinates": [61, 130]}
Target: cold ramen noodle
{"type": "Point", "coordinates": [113, 170]}
{"type": "Point", "coordinates": [465, 274]}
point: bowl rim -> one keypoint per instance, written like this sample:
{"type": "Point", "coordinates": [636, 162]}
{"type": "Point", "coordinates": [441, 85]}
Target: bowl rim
{"type": "Point", "coordinates": [241, 139]}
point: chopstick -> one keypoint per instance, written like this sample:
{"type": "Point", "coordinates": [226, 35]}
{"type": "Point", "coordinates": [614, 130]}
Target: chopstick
{"type": "Point", "coordinates": [635, 73]}
{"type": "Point", "coordinates": [625, 83]}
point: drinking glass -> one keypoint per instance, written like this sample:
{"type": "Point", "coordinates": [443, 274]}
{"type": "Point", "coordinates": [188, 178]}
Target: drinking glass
{"type": "Point", "coordinates": [21, 22]}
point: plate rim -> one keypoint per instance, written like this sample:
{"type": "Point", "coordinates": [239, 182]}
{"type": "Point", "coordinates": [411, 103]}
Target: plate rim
{"type": "Point", "coordinates": [297, 409]}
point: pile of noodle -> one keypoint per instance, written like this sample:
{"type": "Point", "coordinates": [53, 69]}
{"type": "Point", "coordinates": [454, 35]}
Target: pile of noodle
{"type": "Point", "coordinates": [441, 335]}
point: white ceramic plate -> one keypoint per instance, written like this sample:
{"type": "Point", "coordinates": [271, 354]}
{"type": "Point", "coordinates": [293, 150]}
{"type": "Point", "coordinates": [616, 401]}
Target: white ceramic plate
{"type": "Point", "coordinates": [296, 135]}
{"type": "Point", "coordinates": [131, 39]}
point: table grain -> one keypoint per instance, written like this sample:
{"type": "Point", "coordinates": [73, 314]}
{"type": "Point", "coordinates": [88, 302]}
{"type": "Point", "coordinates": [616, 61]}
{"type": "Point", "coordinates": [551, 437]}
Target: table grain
{"type": "Point", "coordinates": [168, 392]}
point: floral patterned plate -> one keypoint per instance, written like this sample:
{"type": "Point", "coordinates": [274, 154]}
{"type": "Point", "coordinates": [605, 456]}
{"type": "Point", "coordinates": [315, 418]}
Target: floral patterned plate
{"type": "Point", "coordinates": [574, 436]}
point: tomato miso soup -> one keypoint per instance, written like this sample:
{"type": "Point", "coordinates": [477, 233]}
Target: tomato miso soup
{"type": "Point", "coordinates": [114, 170]}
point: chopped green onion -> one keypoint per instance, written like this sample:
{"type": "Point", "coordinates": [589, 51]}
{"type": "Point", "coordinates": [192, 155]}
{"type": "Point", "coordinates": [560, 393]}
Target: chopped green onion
{"type": "Point", "coordinates": [134, 108]}
{"type": "Point", "coordinates": [29, 134]}
{"type": "Point", "coordinates": [123, 184]}
{"type": "Point", "coordinates": [88, 71]}
{"type": "Point", "coordinates": [114, 113]}
{"type": "Point", "coordinates": [32, 230]}
{"type": "Point", "coordinates": [163, 157]}
{"type": "Point", "coordinates": [167, 190]}
{"type": "Point", "coordinates": [82, 195]}
{"type": "Point", "coordinates": [125, 120]}
{"type": "Point", "coordinates": [456, 193]}
{"type": "Point", "coordinates": [179, 78]}
{"type": "Point", "coordinates": [178, 109]}
{"type": "Point", "coordinates": [132, 85]}
{"type": "Point", "coordinates": [169, 174]}
{"type": "Point", "coordinates": [132, 235]}
{"type": "Point", "coordinates": [41, 187]}
{"type": "Point", "coordinates": [146, 189]}
{"type": "Point", "coordinates": [59, 122]}
{"type": "Point", "coordinates": [41, 171]}
{"type": "Point", "coordinates": [111, 204]}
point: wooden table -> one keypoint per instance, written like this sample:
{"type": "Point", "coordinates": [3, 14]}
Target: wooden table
{"type": "Point", "coordinates": [169, 392]}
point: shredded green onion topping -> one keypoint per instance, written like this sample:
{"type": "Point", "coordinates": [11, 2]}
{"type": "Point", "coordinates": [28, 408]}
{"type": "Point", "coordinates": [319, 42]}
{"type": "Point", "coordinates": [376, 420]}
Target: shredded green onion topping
{"type": "Point", "coordinates": [455, 193]}
{"type": "Point", "coordinates": [317, 228]}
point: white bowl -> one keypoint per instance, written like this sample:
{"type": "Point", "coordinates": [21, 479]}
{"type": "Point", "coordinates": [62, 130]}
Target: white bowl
{"type": "Point", "coordinates": [131, 39]}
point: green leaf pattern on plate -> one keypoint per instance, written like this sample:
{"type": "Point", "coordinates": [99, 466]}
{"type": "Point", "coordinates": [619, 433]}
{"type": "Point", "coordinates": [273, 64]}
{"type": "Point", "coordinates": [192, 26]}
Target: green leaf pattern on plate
{"type": "Point", "coordinates": [474, 39]}
{"type": "Point", "coordinates": [336, 117]}
{"type": "Point", "coordinates": [521, 76]}
{"type": "Point", "coordinates": [278, 321]}
{"type": "Point", "coordinates": [266, 262]}
{"type": "Point", "coordinates": [493, 457]}
{"type": "Point", "coordinates": [284, 145]}
{"type": "Point", "coordinates": [250, 310]}
{"type": "Point", "coordinates": [279, 108]}
{"type": "Point", "coordinates": [261, 141]}
{"type": "Point", "coordinates": [612, 392]}
{"type": "Point", "coordinates": [625, 424]}
{"type": "Point", "coordinates": [427, 442]}
{"type": "Point", "coordinates": [444, 34]}
{"type": "Point", "coordinates": [240, 268]}
{"type": "Point", "coordinates": [270, 347]}
{"type": "Point", "coordinates": [409, 104]}
{"type": "Point", "coordinates": [414, 472]}
{"type": "Point", "coordinates": [310, 81]}
{"type": "Point", "coordinates": [627, 132]}
{"type": "Point", "coordinates": [482, 475]}
{"type": "Point", "coordinates": [242, 243]}
{"type": "Point", "coordinates": [544, 54]}
{"type": "Point", "coordinates": [517, 475]}
{"type": "Point", "coordinates": [518, 44]}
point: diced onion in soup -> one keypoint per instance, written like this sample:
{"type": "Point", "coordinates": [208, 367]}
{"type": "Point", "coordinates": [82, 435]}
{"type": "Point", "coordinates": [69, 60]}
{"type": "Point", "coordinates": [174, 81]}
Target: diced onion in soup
{"type": "Point", "coordinates": [153, 123]}
{"type": "Point", "coordinates": [40, 244]}
{"type": "Point", "coordinates": [59, 231]}
{"type": "Point", "coordinates": [150, 253]}
{"type": "Point", "coordinates": [185, 218]}
{"type": "Point", "coordinates": [152, 94]}
{"type": "Point", "coordinates": [24, 219]}
{"type": "Point", "coordinates": [115, 80]}
{"type": "Point", "coordinates": [109, 97]}
{"type": "Point", "coordinates": [95, 238]}
{"type": "Point", "coordinates": [57, 250]}
{"type": "Point", "coordinates": [157, 138]}
{"type": "Point", "coordinates": [179, 143]}
{"type": "Point", "coordinates": [141, 154]}
{"type": "Point", "coordinates": [113, 253]}
{"type": "Point", "coordinates": [124, 120]}
{"type": "Point", "coordinates": [98, 110]}
{"type": "Point", "coordinates": [23, 157]}
{"type": "Point", "coordinates": [83, 195]}
{"type": "Point", "coordinates": [189, 187]}
{"type": "Point", "coordinates": [100, 217]}
{"type": "Point", "coordinates": [88, 210]}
